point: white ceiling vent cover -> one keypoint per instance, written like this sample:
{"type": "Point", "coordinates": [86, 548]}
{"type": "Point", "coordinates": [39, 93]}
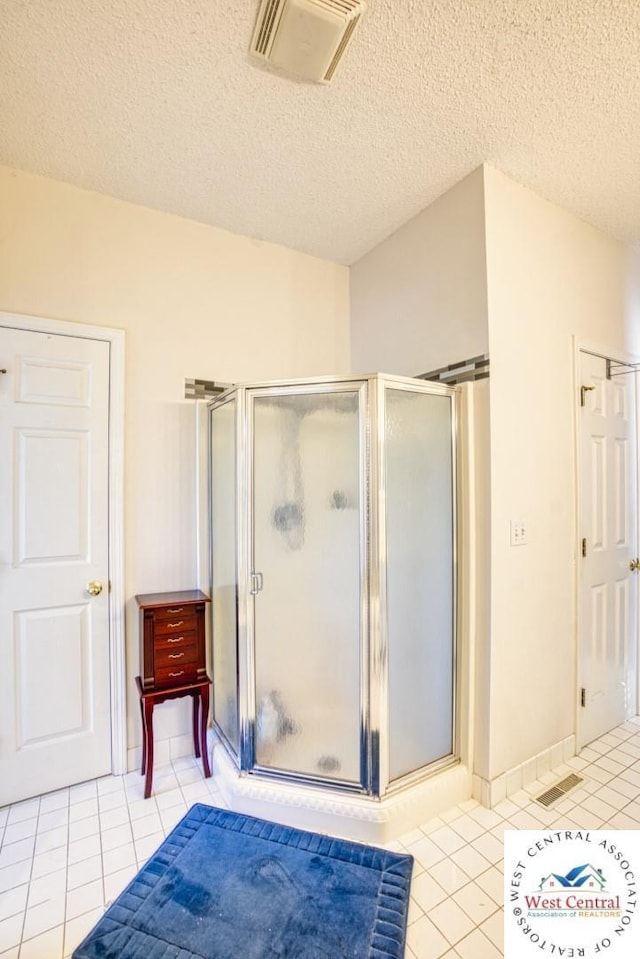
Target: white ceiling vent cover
{"type": "Point", "coordinates": [305, 37]}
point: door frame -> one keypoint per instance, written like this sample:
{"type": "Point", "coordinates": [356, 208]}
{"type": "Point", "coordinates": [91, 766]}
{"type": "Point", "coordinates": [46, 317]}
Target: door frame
{"type": "Point", "coordinates": [117, 675]}
{"type": "Point", "coordinates": [616, 356]}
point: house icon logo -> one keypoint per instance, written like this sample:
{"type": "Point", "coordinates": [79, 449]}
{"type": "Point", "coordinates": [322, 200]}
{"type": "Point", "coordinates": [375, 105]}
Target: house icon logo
{"type": "Point", "coordinates": [585, 878]}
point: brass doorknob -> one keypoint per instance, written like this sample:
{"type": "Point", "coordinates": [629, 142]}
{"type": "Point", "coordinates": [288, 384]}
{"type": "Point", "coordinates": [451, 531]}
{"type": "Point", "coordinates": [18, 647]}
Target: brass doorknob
{"type": "Point", "coordinates": [634, 565]}
{"type": "Point", "coordinates": [94, 588]}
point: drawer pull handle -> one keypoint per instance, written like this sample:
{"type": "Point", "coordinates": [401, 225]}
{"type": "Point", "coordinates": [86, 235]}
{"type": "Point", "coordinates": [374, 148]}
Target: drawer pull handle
{"type": "Point", "coordinates": [181, 673]}
{"type": "Point", "coordinates": [175, 639]}
{"type": "Point", "coordinates": [178, 610]}
{"type": "Point", "coordinates": [176, 655]}
{"type": "Point", "coordinates": [175, 625]}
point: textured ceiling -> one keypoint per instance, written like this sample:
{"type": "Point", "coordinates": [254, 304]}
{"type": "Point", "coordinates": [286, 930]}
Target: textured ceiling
{"type": "Point", "coordinates": [157, 102]}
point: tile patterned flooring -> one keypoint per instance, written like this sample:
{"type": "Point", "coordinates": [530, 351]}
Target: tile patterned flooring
{"type": "Point", "coordinates": [66, 855]}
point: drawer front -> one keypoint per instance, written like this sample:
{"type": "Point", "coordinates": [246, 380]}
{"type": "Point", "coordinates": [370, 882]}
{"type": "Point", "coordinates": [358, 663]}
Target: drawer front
{"type": "Point", "coordinates": [174, 625]}
{"type": "Point", "coordinates": [179, 611]}
{"type": "Point", "coordinates": [166, 658]}
{"type": "Point", "coordinates": [176, 675]}
{"type": "Point", "coordinates": [170, 641]}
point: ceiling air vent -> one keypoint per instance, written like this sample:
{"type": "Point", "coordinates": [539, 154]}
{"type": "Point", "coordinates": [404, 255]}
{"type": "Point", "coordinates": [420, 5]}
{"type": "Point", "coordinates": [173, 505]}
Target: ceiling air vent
{"type": "Point", "coordinates": [305, 37]}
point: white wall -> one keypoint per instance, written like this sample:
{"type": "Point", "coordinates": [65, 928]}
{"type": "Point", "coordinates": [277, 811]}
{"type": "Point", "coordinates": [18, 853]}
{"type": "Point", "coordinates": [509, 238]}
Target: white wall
{"type": "Point", "coordinates": [549, 276]}
{"type": "Point", "coordinates": [419, 298]}
{"type": "Point", "coordinates": [632, 330]}
{"type": "Point", "coordinates": [194, 301]}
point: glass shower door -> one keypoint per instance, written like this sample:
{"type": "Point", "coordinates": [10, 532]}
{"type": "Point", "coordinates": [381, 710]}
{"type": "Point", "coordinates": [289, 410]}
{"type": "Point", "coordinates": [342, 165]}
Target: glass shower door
{"type": "Point", "coordinates": [224, 606]}
{"type": "Point", "coordinates": [418, 469]}
{"type": "Point", "coordinates": [307, 579]}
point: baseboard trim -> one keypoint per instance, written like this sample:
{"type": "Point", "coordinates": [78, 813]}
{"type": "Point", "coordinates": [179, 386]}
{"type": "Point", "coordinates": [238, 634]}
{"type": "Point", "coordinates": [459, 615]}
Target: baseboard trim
{"type": "Point", "coordinates": [490, 792]}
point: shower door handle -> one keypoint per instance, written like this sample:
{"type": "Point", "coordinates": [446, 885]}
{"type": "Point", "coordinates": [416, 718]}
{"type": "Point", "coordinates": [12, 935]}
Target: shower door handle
{"type": "Point", "coordinates": [256, 583]}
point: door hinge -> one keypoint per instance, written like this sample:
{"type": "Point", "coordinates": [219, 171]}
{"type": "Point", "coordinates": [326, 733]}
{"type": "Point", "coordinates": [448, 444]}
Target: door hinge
{"type": "Point", "coordinates": [584, 545]}
{"type": "Point", "coordinates": [583, 697]}
{"type": "Point", "coordinates": [584, 390]}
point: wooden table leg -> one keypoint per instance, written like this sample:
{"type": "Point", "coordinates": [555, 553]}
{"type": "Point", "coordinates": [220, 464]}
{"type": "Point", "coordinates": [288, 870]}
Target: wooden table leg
{"type": "Point", "coordinates": [204, 716]}
{"type": "Point", "coordinates": [144, 741]}
{"type": "Point", "coordinates": [148, 743]}
{"type": "Point", "coordinates": [196, 726]}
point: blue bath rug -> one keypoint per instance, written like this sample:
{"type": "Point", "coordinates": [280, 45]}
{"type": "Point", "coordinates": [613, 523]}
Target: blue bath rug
{"type": "Point", "coordinates": [227, 886]}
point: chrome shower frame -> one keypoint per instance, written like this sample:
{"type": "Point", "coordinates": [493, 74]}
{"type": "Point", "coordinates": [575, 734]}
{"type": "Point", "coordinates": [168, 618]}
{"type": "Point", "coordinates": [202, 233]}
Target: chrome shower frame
{"type": "Point", "coordinates": [374, 649]}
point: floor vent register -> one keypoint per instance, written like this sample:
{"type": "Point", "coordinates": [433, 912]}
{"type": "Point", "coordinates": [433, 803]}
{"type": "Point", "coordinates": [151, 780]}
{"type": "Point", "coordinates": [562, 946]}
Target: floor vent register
{"type": "Point", "coordinates": [551, 795]}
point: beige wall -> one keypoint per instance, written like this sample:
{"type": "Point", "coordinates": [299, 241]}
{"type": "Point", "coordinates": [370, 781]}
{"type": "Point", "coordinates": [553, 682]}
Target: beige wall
{"type": "Point", "coordinates": [419, 298]}
{"type": "Point", "coordinates": [194, 301]}
{"type": "Point", "coordinates": [550, 276]}
{"type": "Point", "coordinates": [632, 329]}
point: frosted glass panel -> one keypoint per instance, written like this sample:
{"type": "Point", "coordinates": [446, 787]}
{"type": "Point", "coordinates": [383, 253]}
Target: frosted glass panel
{"type": "Point", "coordinates": [223, 558]}
{"type": "Point", "coordinates": [419, 517]}
{"type": "Point", "coordinates": [307, 616]}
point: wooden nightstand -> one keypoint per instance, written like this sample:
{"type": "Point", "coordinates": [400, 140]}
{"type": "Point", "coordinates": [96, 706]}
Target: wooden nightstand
{"type": "Point", "coordinates": [173, 664]}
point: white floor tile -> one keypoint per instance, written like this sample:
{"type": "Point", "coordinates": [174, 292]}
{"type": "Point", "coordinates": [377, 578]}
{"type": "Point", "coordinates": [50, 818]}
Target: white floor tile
{"type": "Point", "coordinates": [449, 875]}
{"type": "Point", "coordinates": [83, 849]}
{"type": "Point", "coordinates": [141, 808]}
{"type": "Point", "coordinates": [120, 858]}
{"type": "Point", "coordinates": [82, 791]}
{"type": "Point", "coordinates": [85, 898]}
{"type": "Point", "coordinates": [83, 872]}
{"type": "Point", "coordinates": [51, 886]}
{"type": "Point", "coordinates": [118, 836]}
{"type": "Point", "coordinates": [492, 882]}
{"type": "Point", "coordinates": [427, 892]}
{"type": "Point", "coordinates": [146, 826]}
{"type": "Point", "coordinates": [117, 881]}
{"type": "Point", "coordinates": [170, 799]}
{"type": "Point", "coordinates": [19, 830]}
{"type": "Point", "coordinates": [476, 902]}
{"type": "Point", "coordinates": [477, 946]}
{"type": "Point", "coordinates": [23, 810]}
{"type": "Point", "coordinates": [76, 929]}
{"type": "Point", "coordinates": [12, 876]}
{"type": "Point", "coordinates": [471, 861]}
{"type": "Point", "coordinates": [11, 931]}
{"type": "Point", "coordinates": [111, 818]}
{"type": "Point", "coordinates": [13, 902]}
{"type": "Point", "coordinates": [426, 852]}
{"type": "Point", "coordinates": [45, 945]}
{"type": "Point", "coordinates": [425, 940]}
{"type": "Point", "coordinates": [83, 828]}
{"type": "Point", "coordinates": [147, 845]}
{"type": "Point", "coordinates": [52, 801]}
{"type": "Point", "coordinates": [171, 817]}
{"type": "Point", "coordinates": [80, 810]}
{"type": "Point", "coordinates": [40, 918]}
{"type": "Point", "coordinates": [448, 839]}
{"type": "Point", "coordinates": [493, 928]}
{"type": "Point", "coordinates": [451, 920]}
{"type": "Point", "coordinates": [488, 818]}
{"type": "Point", "coordinates": [112, 800]}
{"type": "Point", "coordinates": [109, 784]}
{"type": "Point", "coordinates": [623, 787]}
{"type": "Point", "coordinates": [52, 839]}
{"type": "Point", "coordinates": [107, 830]}
{"type": "Point", "coordinates": [414, 911]}
{"type": "Point", "coordinates": [488, 846]}
{"type": "Point", "coordinates": [16, 851]}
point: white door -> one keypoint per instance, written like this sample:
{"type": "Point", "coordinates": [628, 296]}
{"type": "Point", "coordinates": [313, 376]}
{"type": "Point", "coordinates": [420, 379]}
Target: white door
{"type": "Point", "coordinates": [607, 635]}
{"type": "Point", "coordinates": [54, 635]}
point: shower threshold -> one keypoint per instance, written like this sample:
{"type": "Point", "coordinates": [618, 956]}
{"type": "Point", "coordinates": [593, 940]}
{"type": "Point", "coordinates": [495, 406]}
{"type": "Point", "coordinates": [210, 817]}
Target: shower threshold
{"type": "Point", "coordinates": [349, 816]}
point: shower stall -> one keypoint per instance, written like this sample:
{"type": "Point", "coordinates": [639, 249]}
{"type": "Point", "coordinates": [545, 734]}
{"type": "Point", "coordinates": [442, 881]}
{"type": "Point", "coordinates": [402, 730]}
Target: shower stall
{"type": "Point", "coordinates": [333, 561]}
